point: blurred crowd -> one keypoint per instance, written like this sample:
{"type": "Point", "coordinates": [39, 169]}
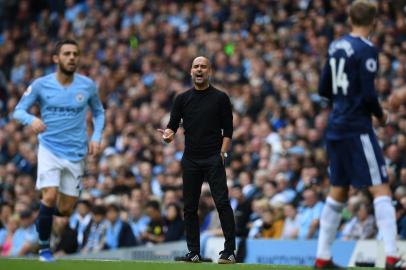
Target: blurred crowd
{"type": "Point", "coordinates": [266, 55]}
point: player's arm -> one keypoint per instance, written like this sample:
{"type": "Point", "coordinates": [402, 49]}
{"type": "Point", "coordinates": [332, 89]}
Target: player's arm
{"type": "Point", "coordinates": [98, 122]}
{"type": "Point", "coordinates": [226, 124]}
{"type": "Point", "coordinates": [176, 114]}
{"type": "Point", "coordinates": [325, 84]}
{"type": "Point", "coordinates": [368, 69]}
{"type": "Point", "coordinates": [21, 114]}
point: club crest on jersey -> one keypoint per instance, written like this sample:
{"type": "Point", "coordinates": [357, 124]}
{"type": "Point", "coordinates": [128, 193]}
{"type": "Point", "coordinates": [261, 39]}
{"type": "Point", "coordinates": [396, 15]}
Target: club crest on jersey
{"type": "Point", "coordinates": [80, 97]}
{"type": "Point", "coordinates": [371, 65]}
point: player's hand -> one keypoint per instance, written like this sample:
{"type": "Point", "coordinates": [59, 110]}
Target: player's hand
{"type": "Point", "coordinates": [38, 126]}
{"type": "Point", "coordinates": [167, 134]}
{"type": "Point", "coordinates": [94, 148]}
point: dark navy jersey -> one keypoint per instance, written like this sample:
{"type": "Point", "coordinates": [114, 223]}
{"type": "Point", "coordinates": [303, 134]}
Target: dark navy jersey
{"type": "Point", "coordinates": [347, 81]}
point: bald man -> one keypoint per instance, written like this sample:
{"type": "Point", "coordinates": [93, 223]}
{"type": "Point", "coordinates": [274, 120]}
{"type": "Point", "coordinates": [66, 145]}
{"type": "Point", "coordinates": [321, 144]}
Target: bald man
{"type": "Point", "coordinates": [397, 98]}
{"type": "Point", "coordinates": [208, 123]}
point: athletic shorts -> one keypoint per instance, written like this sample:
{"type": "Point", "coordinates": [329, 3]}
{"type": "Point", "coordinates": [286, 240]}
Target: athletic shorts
{"type": "Point", "coordinates": [57, 172]}
{"type": "Point", "coordinates": [356, 161]}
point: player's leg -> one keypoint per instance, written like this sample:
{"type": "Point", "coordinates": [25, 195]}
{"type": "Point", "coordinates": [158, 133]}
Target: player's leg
{"type": "Point", "coordinates": [385, 219]}
{"type": "Point", "coordinates": [69, 188]}
{"type": "Point", "coordinates": [45, 215]}
{"type": "Point", "coordinates": [192, 184]}
{"type": "Point", "coordinates": [48, 180]}
{"type": "Point", "coordinates": [66, 204]}
{"type": "Point", "coordinates": [384, 210]}
{"type": "Point", "coordinates": [331, 215]}
{"type": "Point", "coordinates": [216, 177]}
{"type": "Point", "coordinates": [330, 220]}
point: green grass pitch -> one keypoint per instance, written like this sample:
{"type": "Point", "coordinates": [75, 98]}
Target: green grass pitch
{"type": "Point", "coordinates": [31, 264]}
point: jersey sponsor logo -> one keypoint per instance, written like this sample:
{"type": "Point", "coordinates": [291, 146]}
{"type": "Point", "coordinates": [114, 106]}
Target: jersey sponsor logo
{"type": "Point", "coordinates": [371, 65]}
{"type": "Point", "coordinates": [28, 91]}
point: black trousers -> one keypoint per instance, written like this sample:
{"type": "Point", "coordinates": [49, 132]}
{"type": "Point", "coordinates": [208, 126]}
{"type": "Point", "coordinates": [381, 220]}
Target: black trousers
{"type": "Point", "coordinates": [212, 170]}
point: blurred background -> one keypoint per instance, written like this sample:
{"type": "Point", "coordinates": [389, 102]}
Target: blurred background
{"type": "Point", "coordinates": [266, 55]}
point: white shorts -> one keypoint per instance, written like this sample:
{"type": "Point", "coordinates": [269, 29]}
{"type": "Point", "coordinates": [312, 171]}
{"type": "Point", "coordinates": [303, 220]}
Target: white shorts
{"type": "Point", "coordinates": [57, 172]}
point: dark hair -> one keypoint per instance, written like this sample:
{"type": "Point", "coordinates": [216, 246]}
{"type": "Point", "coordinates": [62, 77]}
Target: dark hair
{"type": "Point", "coordinates": [113, 207]}
{"type": "Point", "coordinates": [362, 13]}
{"type": "Point", "coordinates": [153, 204]}
{"type": "Point", "coordinates": [99, 210]}
{"type": "Point", "coordinates": [60, 43]}
{"type": "Point", "coordinates": [86, 203]}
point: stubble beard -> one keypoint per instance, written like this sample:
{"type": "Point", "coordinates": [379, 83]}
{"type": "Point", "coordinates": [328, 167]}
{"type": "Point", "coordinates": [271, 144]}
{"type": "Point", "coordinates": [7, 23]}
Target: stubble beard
{"type": "Point", "coordinates": [65, 71]}
{"type": "Point", "coordinates": [204, 82]}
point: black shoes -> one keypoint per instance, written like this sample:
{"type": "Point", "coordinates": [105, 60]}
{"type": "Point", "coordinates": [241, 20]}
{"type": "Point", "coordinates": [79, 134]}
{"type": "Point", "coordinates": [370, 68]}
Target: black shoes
{"type": "Point", "coordinates": [226, 257]}
{"type": "Point", "coordinates": [189, 257]}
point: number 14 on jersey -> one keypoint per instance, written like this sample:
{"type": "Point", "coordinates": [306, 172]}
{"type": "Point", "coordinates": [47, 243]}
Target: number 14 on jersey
{"type": "Point", "coordinates": [338, 76]}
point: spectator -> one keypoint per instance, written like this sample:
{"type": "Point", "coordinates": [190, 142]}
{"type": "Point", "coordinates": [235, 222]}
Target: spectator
{"type": "Point", "coordinates": [96, 230]}
{"type": "Point", "coordinates": [269, 226]}
{"type": "Point", "coordinates": [309, 214]}
{"type": "Point", "coordinates": [361, 226]}
{"type": "Point", "coordinates": [80, 220]}
{"type": "Point", "coordinates": [242, 210]}
{"type": "Point", "coordinates": [174, 224]}
{"type": "Point", "coordinates": [291, 224]}
{"type": "Point", "coordinates": [155, 228]}
{"type": "Point", "coordinates": [25, 237]}
{"type": "Point", "coordinates": [6, 241]}
{"type": "Point", "coordinates": [137, 220]}
{"type": "Point", "coordinates": [118, 233]}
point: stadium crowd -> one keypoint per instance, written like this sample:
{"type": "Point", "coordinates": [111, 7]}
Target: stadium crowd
{"type": "Point", "coordinates": [266, 55]}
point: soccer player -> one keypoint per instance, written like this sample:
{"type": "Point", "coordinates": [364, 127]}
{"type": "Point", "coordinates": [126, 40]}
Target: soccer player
{"type": "Point", "coordinates": [352, 147]}
{"type": "Point", "coordinates": [208, 123]}
{"type": "Point", "coordinates": [64, 98]}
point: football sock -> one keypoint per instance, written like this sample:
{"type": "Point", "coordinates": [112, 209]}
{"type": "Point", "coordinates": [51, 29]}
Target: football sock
{"type": "Point", "coordinates": [329, 222]}
{"type": "Point", "coordinates": [386, 222]}
{"type": "Point", "coordinates": [44, 224]}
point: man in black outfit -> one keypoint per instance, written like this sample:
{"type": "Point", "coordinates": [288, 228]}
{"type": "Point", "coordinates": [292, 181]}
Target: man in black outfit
{"type": "Point", "coordinates": [208, 124]}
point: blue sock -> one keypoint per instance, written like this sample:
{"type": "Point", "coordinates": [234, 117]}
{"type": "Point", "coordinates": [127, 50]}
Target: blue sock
{"type": "Point", "coordinates": [44, 225]}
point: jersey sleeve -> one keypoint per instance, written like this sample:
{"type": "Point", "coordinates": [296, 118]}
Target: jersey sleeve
{"type": "Point", "coordinates": [226, 117]}
{"type": "Point", "coordinates": [368, 70]}
{"type": "Point", "coordinates": [176, 114]}
{"type": "Point", "coordinates": [29, 97]}
{"type": "Point", "coordinates": [325, 81]}
{"type": "Point", "coordinates": [98, 114]}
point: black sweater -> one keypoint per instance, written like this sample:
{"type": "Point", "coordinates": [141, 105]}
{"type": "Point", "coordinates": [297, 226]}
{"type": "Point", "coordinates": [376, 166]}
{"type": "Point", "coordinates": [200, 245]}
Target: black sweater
{"type": "Point", "coordinates": [207, 117]}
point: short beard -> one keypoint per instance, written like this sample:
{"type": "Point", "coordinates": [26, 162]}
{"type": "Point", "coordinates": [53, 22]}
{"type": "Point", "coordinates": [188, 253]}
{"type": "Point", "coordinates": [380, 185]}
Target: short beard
{"type": "Point", "coordinates": [66, 72]}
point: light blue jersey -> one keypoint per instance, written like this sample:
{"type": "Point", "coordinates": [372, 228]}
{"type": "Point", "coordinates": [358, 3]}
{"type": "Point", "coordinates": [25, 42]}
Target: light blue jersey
{"type": "Point", "coordinates": [63, 111]}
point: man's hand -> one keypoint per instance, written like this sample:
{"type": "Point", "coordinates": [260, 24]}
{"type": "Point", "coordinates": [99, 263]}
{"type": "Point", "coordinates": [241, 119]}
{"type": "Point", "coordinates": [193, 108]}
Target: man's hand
{"type": "Point", "coordinates": [167, 134]}
{"type": "Point", "coordinates": [94, 148]}
{"type": "Point", "coordinates": [38, 126]}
